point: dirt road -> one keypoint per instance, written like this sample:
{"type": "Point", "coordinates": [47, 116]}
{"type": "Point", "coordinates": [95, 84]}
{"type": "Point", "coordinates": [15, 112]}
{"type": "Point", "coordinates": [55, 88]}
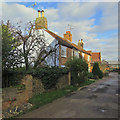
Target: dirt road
{"type": "Point", "coordinates": [98, 100]}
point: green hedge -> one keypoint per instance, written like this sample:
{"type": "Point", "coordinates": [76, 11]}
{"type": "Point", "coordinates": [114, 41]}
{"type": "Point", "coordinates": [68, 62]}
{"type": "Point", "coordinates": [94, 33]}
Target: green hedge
{"type": "Point", "coordinates": [48, 75]}
{"type": "Point", "coordinates": [11, 77]}
{"type": "Point", "coordinates": [90, 75]}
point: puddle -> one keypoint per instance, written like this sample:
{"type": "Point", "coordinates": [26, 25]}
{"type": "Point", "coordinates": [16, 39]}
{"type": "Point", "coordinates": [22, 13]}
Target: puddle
{"type": "Point", "coordinates": [92, 96]}
{"type": "Point", "coordinates": [102, 109]}
{"type": "Point", "coordinates": [108, 85]}
{"type": "Point", "coordinates": [118, 91]}
{"type": "Point", "coordinates": [69, 95]}
{"type": "Point", "coordinates": [100, 88]}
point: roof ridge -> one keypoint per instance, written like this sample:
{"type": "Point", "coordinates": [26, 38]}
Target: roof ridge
{"type": "Point", "coordinates": [66, 42]}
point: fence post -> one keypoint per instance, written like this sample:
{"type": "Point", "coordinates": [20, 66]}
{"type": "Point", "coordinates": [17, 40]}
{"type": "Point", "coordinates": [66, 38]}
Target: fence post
{"type": "Point", "coordinates": [69, 78]}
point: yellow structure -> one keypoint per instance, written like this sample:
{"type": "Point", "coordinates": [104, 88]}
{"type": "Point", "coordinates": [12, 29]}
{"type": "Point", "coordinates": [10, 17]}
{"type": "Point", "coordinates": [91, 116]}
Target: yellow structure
{"type": "Point", "coordinates": [42, 13]}
{"type": "Point", "coordinates": [40, 22]}
{"type": "Point", "coordinates": [80, 43]}
{"type": "Point", "coordinates": [39, 14]}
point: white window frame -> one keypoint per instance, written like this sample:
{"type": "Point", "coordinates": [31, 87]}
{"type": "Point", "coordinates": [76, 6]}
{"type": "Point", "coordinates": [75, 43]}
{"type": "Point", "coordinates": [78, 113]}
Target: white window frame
{"type": "Point", "coordinates": [83, 55]}
{"type": "Point", "coordinates": [89, 68]}
{"type": "Point", "coordinates": [63, 49]}
{"type": "Point", "coordinates": [88, 58]}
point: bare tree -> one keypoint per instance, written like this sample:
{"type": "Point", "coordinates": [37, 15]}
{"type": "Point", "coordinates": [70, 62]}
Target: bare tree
{"type": "Point", "coordinates": [33, 48]}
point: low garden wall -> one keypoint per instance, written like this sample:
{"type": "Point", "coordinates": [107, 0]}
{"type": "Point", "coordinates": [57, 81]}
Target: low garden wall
{"type": "Point", "coordinates": [13, 96]}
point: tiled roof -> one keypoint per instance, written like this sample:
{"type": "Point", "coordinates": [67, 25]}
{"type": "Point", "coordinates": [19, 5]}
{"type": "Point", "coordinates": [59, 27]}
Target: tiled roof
{"type": "Point", "coordinates": [96, 57]}
{"type": "Point", "coordinates": [66, 42]}
{"type": "Point", "coordinates": [61, 40]}
{"type": "Point", "coordinates": [80, 49]}
{"type": "Point", "coordinates": [90, 52]}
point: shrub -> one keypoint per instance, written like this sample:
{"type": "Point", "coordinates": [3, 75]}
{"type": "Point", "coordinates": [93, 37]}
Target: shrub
{"type": "Point", "coordinates": [96, 70]}
{"type": "Point", "coordinates": [90, 75]}
{"type": "Point", "coordinates": [78, 68]}
{"type": "Point", "coordinates": [106, 73]}
{"type": "Point", "coordinates": [11, 77]}
{"type": "Point", "coordinates": [48, 75]}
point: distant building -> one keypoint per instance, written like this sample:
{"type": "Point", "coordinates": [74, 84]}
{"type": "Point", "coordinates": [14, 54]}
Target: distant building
{"type": "Point", "coordinates": [114, 64]}
{"type": "Point", "coordinates": [96, 57]}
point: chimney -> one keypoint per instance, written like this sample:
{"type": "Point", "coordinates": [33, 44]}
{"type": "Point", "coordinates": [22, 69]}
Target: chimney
{"type": "Point", "coordinates": [79, 44]}
{"type": "Point", "coordinates": [39, 14]}
{"type": "Point", "coordinates": [82, 43]}
{"type": "Point", "coordinates": [68, 36]}
{"type": "Point", "coordinates": [42, 13]}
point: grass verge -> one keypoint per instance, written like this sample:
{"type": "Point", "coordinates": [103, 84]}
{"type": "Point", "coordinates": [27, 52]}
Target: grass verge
{"type": "Point", "coordinates": [88, 82]}
{"type": "Point", "coordinates": [47, 97]}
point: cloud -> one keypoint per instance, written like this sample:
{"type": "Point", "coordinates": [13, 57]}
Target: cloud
{"type": "Point", "coordinates": [51, 14]}
{"type": "Point", "coordinates": [80, 17]}
{"type": "Point", "coordinates": [16, 13]}
{"type": "Point", "coordinates": [77, 11]}
{"type": "Point", "coordinates": [109, 19]}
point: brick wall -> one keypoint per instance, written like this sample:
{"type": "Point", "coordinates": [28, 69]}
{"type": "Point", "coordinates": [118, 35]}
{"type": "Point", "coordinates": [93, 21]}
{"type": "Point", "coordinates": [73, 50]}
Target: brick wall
{"type": "Point", "coordinates": [62, 60]}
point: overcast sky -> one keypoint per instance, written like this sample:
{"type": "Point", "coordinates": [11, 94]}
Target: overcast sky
{"type": "Point", "coordinates": [94, 22]}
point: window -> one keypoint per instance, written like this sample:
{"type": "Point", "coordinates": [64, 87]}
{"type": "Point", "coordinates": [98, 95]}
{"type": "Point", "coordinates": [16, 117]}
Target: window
{"type": "Point", "coordinates": [76, 53]}
{"type": "Point", "coordinates": [88, 58]}
{"type": "Point", "coordinates": [62, 65]}
{"type": "Point", "coordinates": [82, 55]}
{"type": "Point", "coordinates": [63, 51]}
{"type": "Point", "coordinates": [89, 68]}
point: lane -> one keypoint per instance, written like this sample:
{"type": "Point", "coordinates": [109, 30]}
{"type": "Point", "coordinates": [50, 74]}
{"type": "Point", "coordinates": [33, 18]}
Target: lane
{"type": "Point", "coordinates": [99, 100]}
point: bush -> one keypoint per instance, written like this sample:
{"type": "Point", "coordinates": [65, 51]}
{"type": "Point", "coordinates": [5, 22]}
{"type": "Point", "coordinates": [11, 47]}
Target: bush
{"type": "Point", "coordinates": [11, 77]}
{"type": "Point", "coordinates": [79, 69]}
{"type": "Point", "coordinates": [96, 70]}
{"type": "Point", "coordinates": [48, 75]}
{"type": "Point", "coordinates": [90, 75]}
{"type": "Point", "coordinates": [106, 73]}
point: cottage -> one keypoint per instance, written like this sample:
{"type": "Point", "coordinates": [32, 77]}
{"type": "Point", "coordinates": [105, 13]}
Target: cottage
{"type": "Point", "coordinates": [64, 45]}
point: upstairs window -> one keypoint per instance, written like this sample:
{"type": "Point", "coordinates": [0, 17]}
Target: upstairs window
{"type": "Point", "coordinates": [82, 55]}
{"type": "Point", "coordinates": [63, 51]}
{"type": "Point", "coordinates": [88, 58]}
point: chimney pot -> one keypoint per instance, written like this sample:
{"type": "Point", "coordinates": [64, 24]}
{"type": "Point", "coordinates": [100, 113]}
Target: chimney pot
{"type": "Point", "coordinates": [39, 14]}
{"type": "Point", "coordinates": [42, 13]}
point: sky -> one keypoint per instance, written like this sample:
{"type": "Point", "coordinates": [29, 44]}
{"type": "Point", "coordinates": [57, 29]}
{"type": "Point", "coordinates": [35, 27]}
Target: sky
{"type": "Point", "coordinates": [94, 22]}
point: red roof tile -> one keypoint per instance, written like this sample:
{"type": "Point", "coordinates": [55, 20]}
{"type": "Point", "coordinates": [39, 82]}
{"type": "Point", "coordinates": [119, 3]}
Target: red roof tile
{"type": "Point", "coordinates": [66, 42]}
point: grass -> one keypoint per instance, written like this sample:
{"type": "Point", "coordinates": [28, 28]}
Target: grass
{"type": "Point", "coordinates": [87, 82]}
{"type": "Point", "coordinates": [47, 97]}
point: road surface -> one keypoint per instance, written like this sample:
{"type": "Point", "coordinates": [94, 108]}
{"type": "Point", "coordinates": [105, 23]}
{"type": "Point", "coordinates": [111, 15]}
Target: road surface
{"type": "Point", "coordinates": [98, 100]}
